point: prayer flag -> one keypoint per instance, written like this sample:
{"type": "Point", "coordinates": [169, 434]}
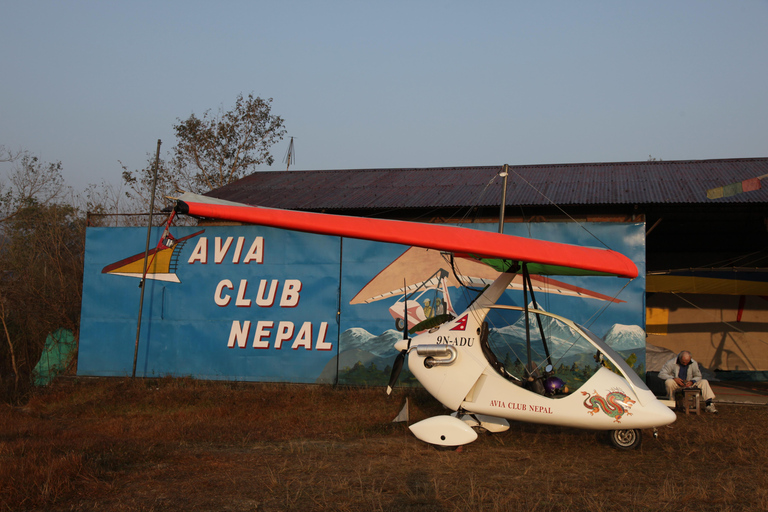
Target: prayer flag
{"type": "Point", "coordinates": [715, 193]}
{"type": "Point", "coordinates": [732, 189]}
{"type": "Point", "coordinates": [750, 185]}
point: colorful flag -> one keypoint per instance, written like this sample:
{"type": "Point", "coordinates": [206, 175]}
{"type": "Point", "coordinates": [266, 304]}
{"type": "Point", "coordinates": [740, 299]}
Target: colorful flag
{"type": "Point", "coordinates": [715, 193]}
{"type": "Point", "coordinates": [750, 185]}
{"type": "Point", "coordinates": [732, 189]}
{"type": "Point", "coordinates": [736, 188]}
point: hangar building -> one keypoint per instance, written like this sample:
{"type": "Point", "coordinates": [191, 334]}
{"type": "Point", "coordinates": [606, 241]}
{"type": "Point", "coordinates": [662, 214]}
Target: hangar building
{"type": "Point", "coordinates": [706, 230]}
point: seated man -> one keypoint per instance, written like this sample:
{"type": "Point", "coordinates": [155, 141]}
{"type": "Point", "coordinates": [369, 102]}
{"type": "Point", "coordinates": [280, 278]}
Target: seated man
{"type": "Point", "coordinates": [683, 372]}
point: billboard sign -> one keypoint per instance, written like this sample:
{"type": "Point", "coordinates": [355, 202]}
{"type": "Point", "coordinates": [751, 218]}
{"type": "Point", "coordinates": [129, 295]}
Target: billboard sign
{"type": "Point", "coordinates": [263, 304]}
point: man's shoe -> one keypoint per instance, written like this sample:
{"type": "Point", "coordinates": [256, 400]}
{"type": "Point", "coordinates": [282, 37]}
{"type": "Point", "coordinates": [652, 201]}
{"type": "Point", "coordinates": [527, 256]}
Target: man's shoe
{"type": "Point", "coordinates": [711, 408]}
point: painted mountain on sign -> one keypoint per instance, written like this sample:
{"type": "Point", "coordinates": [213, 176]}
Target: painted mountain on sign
{"type": "Point", "coordinates": [382, 345]}
{"type": "Point", "coordinates": [625, 337]}
{"type": "Point", "coordinates": [364, 359]}
{"type": "Point", "coordinates": [565, 346]}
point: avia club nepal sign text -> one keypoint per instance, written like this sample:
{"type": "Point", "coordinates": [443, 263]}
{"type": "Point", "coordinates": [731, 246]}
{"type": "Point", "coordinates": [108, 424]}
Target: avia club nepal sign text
{"type": "Point", "coordinates": [240, 294]}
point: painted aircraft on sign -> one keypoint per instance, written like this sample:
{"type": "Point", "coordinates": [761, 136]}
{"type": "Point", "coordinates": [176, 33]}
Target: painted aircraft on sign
{"type": "Point", "coordinates": [453, 358]}
{"type": "Point", "coordinates": [426, 289]}
{"type": "Point", "coordinates": [161, 260]}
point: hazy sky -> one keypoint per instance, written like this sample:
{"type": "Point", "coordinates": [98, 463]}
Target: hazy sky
{"type": "Point", "coordinates": [389, 84]}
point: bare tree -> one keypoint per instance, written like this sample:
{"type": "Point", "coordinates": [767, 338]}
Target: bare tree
{"type": "Point", "coordinates": [138, 187]}
{"type": "Point", "coordinates": [30, 182]}
{"type": "Point", "coordinates": [7, 155]}
{"type": "Point", "coordinates": [212, 151]}
{"type": "Point", "coordinates": [41, 264]}
{"type": "Point", "coordinates": [219, 149]}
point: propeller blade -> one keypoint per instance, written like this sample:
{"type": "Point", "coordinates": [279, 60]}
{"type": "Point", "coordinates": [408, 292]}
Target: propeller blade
{"type": "Point", "coordinates": [396, 367]}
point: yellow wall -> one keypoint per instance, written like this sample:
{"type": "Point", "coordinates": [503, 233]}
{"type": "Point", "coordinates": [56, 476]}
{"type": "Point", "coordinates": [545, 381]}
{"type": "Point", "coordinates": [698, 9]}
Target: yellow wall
{"type": "Point", "coordinates": [707, 326]}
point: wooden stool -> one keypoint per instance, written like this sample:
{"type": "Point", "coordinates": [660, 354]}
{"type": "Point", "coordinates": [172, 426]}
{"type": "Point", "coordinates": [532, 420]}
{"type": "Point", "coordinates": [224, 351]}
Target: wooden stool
{"type": "Point", "coordinates": [688, 400]}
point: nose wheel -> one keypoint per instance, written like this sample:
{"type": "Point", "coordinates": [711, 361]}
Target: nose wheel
{"type": "Point", "coordinates": [626, 439]}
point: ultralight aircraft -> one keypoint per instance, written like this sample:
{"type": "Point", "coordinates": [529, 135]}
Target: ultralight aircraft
{"type": "Point", "coordinates": [452, 357]}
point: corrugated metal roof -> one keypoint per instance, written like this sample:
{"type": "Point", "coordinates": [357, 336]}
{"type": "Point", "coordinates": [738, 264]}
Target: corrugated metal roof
{"type": "Point", "coordinates": [652, 182]}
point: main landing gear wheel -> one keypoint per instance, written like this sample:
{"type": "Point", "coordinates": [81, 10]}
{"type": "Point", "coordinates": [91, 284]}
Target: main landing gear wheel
{"type": "Point", "coordinates": [626, 439]}
{"type": "Point", "coordinates": [399, 324]}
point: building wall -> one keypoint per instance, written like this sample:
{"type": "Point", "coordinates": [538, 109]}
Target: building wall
{"type": "Point", "coordinates": [723, 332]}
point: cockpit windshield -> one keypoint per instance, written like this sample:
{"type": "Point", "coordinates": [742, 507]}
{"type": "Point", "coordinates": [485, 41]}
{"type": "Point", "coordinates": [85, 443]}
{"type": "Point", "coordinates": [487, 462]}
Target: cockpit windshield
{"type": "Point", "coordinates": [557, 352]}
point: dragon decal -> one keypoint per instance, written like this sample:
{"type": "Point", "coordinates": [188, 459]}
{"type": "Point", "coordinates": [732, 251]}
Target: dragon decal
{"type": "Point", "coordinates": [615, 404]}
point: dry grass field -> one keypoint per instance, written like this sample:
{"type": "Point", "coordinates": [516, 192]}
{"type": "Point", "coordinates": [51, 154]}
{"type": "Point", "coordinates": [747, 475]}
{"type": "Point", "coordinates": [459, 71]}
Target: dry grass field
{"type": "Point", "coordinates": [180, 444]}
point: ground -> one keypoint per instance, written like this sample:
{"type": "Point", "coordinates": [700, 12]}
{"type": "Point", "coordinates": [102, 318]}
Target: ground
{"type": "Point", "coordinates": [180, 444]}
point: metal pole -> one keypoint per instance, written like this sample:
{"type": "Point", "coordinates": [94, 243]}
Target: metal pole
{"type": "Point", "coordinates": [504, 173]}
{"type": "Point", "coordinates": [146, 257]}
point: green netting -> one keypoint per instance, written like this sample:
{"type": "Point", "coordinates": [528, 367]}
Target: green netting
{"type": "Point", "coordinates": [55, 357]}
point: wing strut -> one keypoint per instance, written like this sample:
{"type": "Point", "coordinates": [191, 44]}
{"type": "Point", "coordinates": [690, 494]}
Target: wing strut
{"type": "Point", "coordinates": [534, 382]}
{"type": "Point", "coordinates": [529, 366]}
{"type": "Point", "coordinates": [527, 279]}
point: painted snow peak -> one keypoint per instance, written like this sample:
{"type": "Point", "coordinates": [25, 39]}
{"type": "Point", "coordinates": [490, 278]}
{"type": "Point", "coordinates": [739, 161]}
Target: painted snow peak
{"type": "Point", "coordinates": [625, 337]}
{"type": "Point", "coordinates": [364, 359]}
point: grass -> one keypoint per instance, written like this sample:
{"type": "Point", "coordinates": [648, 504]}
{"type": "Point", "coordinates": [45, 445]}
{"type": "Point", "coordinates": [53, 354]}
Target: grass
{"type": "Point", "coordinates": [180, 444]}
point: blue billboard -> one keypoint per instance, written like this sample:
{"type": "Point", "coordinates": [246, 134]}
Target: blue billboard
{"type": "Point", "coordinates": [254, 303]}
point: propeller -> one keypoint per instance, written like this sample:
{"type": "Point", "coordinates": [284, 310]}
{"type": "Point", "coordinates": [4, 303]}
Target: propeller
{"type": "Point", "coordinates": [397, 366]}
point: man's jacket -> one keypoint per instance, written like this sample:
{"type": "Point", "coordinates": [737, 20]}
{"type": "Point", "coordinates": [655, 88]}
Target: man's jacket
{"type": "Point", "coordinates": [671, 370]}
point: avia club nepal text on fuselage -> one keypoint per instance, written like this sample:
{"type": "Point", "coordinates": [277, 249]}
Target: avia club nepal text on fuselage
{"type": "Point", "coordinates": [262, 334]}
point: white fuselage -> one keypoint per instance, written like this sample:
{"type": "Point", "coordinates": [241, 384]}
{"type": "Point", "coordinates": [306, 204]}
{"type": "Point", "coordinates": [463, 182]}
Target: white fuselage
{"type": "Point", "coordinates": [606, 401]}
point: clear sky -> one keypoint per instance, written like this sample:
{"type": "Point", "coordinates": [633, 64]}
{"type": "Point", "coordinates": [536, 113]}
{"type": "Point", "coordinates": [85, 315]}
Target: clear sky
{"type": "Point", "coordinates": [389, 84]}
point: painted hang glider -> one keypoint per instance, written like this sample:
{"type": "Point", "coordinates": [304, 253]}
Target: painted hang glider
{"type": "Point", "coordinates": [162, 261]}
{"type": "Point", "coordinates": [429, 273]}
{"type": "Point", "coordinates": [454, 361]}
{"type": "Point", "coordinates": [417, 266]}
